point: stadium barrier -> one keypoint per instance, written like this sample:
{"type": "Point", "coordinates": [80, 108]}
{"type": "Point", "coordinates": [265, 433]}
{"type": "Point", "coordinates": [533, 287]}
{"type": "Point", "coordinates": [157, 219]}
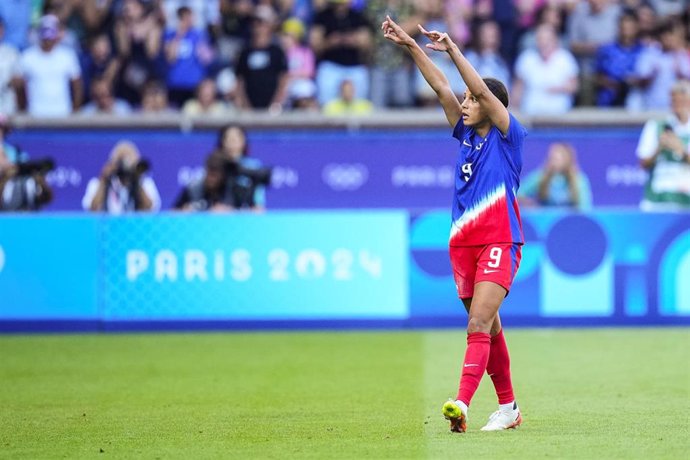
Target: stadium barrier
{"type": "Point", "coordinates": [328, 269]}
{"type": "Point", "coordinates": [391, 160]}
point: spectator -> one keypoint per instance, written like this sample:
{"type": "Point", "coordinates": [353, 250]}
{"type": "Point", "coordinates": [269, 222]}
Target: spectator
{"type": "Point", "coordinates": [485, 56]}
{"type": "Point", "coordinates": [246, 176]}
{"type": "Point", "coordinates": [188, 54]}
{"type": "Point", "coordinates": [103, 101]}
{"type": "Point", "coordinates": [100, 61]}
{"type": "Point", "coordinates": [210, 192]}
{"type": "Point", "coordinates": [17, 15]}
{"type": "Point", "coordinates": [615, 64]}
{"type": "Point", "coordinates": [226, 84]}
{"type": "Point", "coordinates": [123, 185]}
{"type": "Point", "coordinates": [545, 78]}
{"type": "Point", "coordinates": [23, 186]}
{"type": "Point", "coordinates": [559, 182]}
{"type": "Point", "coordinates": [303, 97]}
{"type": "Point", "coordinates": [235, 29]}
{"type": "Point", "coordinates": [300, 58]}
{"type": "Point", "coordinates": [9, 58]}
{"type": "Point", "coordinates": [460, 15]}
{"type": "Point", "coordinates": [391, 69]}
{"type": "Point", "coordinates": [647, 20]}
{"type": "Point", "coordinates": [262, 66]}
{"type": "Point", "coordinates": [206, 14]}
{"type": "Point", "coordinates": [664, 151]}
{"type": "Point", "coordinates": [347, 103]}
{"type": "Point", "coordinates": [154, 99]}
{"type": "Point", "coordinates": [48, 80]}
{"type": "Point", "coordinates": [549, 13]}
{"type": "Point", "coordinates": [591, 24]}
{"type": "Point", "coordinates": [82, 18]}
{"type": "Point", "coordinates": [206, 101]}
{"type": "Point", "coordinates": [138, 43]}
{"type": "Point", "coordinates": [340, 37]}
{"type": "Point", "coordinates": [661, 65]}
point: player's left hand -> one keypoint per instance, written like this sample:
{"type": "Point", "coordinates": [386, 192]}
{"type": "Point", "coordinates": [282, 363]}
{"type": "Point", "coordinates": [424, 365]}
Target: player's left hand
{"type": "Point", "coordinates": [440, 41]}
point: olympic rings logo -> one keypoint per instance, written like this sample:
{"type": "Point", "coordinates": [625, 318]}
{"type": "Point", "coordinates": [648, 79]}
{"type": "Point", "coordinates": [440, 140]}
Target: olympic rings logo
{"type": "Point", "coordinates": [342, 177]}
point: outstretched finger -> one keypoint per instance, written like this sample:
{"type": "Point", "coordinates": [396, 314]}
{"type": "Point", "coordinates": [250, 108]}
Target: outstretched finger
{"type": "Point", "coordinates": [422, 29]}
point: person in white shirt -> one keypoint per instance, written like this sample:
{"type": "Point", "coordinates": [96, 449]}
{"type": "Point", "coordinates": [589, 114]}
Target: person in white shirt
{"type": "Point", "coordinates": [48, 77]}
{"type": "Point", "coordinates": [664, 151]}
{"type": "Point", "coordinates": [123, 185]}
{"type": "Point", "coordinates": [545, 78]}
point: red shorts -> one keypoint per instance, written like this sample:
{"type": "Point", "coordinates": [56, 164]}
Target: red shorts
{"type": "Point", "coordinates": [497, 262]}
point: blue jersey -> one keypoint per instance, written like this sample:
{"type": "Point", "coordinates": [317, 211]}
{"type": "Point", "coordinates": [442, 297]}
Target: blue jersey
{"type": "Point", "coordinates": [487, 176]}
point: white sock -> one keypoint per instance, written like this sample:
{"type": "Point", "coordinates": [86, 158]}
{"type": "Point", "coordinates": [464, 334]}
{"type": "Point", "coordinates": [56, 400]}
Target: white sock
{"type": "Point", "coordinates": [507, 407]}
{"type": "Point", "coordinates": [462, 406]}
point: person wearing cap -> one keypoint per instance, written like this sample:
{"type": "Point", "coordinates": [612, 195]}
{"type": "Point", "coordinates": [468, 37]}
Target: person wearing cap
{"type": "Point", "coordinates": [301, 62]}
{"type": "Point", "coordinates": [664, 151]}
{"type": "Point", "coordinates": [48, 78]}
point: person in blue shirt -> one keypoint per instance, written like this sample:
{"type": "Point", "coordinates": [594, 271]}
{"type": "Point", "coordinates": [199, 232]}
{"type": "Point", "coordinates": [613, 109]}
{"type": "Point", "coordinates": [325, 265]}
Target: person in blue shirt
{"type": "Point", "coordinates": [558, 183]}
{"type": "Point", "coordinates": [486, 233]}
{"type": "Point", "coordinates": [615, 63]}
{"type": "Point", "coordinates": [188, 54]}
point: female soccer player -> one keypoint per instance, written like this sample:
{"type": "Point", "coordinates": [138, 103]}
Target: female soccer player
{"type": "Point", "coordinates": [486, 232]}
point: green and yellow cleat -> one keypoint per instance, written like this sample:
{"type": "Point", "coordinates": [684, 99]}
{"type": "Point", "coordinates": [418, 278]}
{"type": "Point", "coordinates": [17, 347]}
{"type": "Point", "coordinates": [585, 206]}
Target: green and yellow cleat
{"type": "Point", "coordinates": [456, 414]}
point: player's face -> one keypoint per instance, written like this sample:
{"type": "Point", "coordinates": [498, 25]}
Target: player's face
{"type": "Point", "coordinates": [472, 112]}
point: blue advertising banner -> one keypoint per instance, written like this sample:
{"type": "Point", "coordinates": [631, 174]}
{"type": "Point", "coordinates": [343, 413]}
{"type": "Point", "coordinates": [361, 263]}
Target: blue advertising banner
{"type": "Point", "coordinates": [292, 268]}
{"type": "Point", "coordinates": [620, 266]}
{"type": "Point", "coordinates": [410, 169]}
{"type": "Point", "coordinates": [238, 267]}
{"type": "Point", "coordinates": [49, 267]}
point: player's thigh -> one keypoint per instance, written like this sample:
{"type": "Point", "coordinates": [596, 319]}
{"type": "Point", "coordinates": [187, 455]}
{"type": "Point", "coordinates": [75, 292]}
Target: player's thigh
{"type": "Point", "coordinates": [464, 262]}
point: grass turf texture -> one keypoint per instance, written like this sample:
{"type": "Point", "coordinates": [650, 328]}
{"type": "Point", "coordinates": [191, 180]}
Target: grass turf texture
{"type": "Point", "coordinates": [603, 393]}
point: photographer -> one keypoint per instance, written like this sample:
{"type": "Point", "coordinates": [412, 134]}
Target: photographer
{"type": "Point", "coordinates": [246, 177]}
{"type": "Point", "coordinates": [209, 193]}
{"type": "Point", "coordinates": [23, 185]}
{"type": "Point", "coordinates": [123, 185]}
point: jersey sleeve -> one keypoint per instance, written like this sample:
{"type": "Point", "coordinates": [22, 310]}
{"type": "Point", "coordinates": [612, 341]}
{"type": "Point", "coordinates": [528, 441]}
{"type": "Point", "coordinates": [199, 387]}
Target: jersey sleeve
{"type": "Point", "coordinates": [516, 132]}
{"type": "Point", "coordinates": [459, 130]}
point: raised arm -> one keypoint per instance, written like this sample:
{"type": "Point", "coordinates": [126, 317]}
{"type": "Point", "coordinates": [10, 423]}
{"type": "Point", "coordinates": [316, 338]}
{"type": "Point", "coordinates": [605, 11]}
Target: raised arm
{"type": "Point", "coordinates": [495, 109]}
{"type": "Point", "coordinates": [432, 74]}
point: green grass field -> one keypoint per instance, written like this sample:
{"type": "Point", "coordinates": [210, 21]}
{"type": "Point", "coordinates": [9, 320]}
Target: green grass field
{"type": "Point", "coordinates": [602, 393]}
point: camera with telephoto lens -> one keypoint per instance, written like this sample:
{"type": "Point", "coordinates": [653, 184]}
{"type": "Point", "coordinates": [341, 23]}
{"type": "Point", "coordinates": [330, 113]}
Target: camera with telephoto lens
{"type": "Point", "coordinates": [258, 176]}
{"type": "Point", "coordinates": [125, 172]}
{"type": "Point", "coordinates": [41, 166]}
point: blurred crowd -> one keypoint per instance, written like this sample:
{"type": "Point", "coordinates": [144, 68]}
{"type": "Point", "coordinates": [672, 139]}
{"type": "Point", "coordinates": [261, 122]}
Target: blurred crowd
{"type": "Point", "coordinates": [62, 57]}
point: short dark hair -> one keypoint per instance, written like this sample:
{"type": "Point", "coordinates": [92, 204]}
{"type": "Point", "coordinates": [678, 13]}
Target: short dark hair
{"type": "Point", "coordinates": [498, 89]}
{"type": "Point", "coordinates": [183, 10]}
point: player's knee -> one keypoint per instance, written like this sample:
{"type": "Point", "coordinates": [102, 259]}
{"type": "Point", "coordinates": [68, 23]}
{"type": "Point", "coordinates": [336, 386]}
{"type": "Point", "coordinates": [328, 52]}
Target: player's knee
{"type": "Point", "coordinates": [479, 324]}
